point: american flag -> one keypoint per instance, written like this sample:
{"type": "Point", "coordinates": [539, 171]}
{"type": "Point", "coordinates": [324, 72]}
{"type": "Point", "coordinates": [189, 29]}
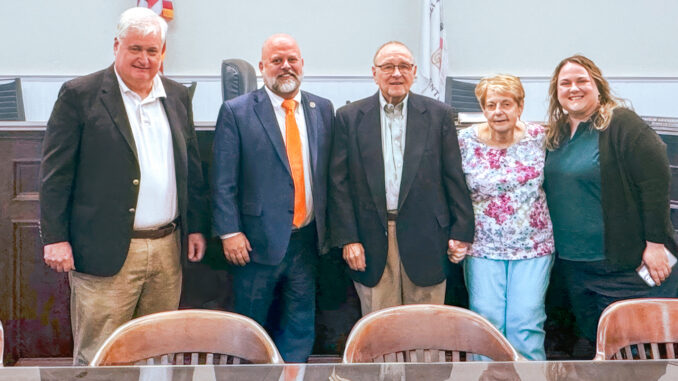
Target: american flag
{"type": "Point", "coordinates": [163, 8]}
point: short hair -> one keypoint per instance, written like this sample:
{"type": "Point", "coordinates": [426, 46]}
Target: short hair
{"type": "Point", "coordinates": [374, 60]}
{"type": "Point", "coordinates": [142, 20]}
{"type": "Point", "coordinates": [557, 118]}
{"type": "Point", "coordinates": [503, 84]}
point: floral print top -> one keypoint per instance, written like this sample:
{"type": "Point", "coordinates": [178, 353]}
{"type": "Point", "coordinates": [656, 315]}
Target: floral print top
{"type": "Point", "coordinates": [512, 219]}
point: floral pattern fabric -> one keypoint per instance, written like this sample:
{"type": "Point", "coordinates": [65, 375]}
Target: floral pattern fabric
{"type": "Point", "coordinates": [511, 216]}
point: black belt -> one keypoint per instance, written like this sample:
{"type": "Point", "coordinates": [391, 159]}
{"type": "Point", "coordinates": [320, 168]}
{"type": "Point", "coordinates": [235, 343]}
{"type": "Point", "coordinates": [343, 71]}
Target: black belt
{"type": "Point", "coordinates": [304, 232]}
{"type": "Point", "coordinates": [156, 233]}
{"type": "Point", "coordinates": [391, 215]}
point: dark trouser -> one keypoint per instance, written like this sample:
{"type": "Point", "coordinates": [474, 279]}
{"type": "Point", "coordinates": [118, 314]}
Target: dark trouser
{"type": "Point", "coordinates": [254, 287]}
{"type": "Point", "coordinates": [592, 286]}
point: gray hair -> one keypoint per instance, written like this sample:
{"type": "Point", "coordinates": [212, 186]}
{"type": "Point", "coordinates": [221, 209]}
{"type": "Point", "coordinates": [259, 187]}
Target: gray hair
{"type": "Point", "coordinates": [142, 20]}
{"type": "Point", "coordinates": [393, 42]}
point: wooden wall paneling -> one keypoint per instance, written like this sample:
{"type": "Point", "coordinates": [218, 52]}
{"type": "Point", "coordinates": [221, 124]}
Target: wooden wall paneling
{"type": "Point", "coordinates": [43, 299]}
{"type": "Point", "coordinates": [34, 299]}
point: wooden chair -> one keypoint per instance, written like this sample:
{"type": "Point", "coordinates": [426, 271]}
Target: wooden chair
{"type": "Point", "coordinates": [188, 337]}
{"type": "Point", "coordinates": [425, 333]}
{"type": "Point", "coordinates": [638, 329]}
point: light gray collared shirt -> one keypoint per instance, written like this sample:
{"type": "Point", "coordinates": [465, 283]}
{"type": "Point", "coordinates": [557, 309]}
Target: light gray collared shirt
{"type": "Point", "coordinates": [393, 129]}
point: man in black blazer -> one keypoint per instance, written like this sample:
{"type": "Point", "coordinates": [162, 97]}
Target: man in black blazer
{"type": "Point", "coordinates": [398, 199]}
{"type": "Point", "coordinates": [270, 198]}
{"type": "Point", "coordinates": [121, 191]}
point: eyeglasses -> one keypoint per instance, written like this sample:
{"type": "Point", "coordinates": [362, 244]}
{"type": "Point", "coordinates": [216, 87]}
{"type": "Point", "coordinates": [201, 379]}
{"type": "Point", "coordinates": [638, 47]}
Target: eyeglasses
{"type": "Point", "coordinates": [388, 68]}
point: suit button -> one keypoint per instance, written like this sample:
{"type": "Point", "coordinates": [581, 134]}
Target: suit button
{"type": "Point", "coordinates": [132, 210]}
{"type": "Point", "coordinates": [135, 181]}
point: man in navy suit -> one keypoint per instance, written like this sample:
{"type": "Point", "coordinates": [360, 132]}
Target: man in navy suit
{"type": "Point", "coordinates": [398, 199]}
{"type": "Point", "coordinates": [271, 153]}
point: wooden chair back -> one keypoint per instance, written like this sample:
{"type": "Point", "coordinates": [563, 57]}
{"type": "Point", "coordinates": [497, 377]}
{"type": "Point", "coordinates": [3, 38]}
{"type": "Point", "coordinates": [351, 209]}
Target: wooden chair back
{"type": "Point", "coordinates": [425, 333]}
{"type": "Point", "coordinates": [638, 329]}
{"type": "Point", "coordinates": [188, 337]}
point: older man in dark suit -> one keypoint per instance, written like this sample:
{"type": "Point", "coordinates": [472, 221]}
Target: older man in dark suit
{"type": "Point", "coordinates": [398, 199]}
{"type": "Point", "coordinates": [271, 152]}
{"type": "Point", "coordinates": [121, 192]}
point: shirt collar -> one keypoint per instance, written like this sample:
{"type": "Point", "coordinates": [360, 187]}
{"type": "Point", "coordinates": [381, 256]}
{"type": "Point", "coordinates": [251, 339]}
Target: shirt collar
{"type": "Point", "coordinates": [399, 109]}
{"type": "Point", "coordinates": [277, 100]}
{"type": "Point", "coordinates": [157, 91]}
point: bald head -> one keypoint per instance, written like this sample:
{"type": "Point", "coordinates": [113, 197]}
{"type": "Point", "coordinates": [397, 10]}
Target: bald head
{"type": "Point", "coordinates": [281, 65]}
{"type": "Point", "coordinates": [278, 40]}
{"type": "Point", "coordinates": [392, 44]}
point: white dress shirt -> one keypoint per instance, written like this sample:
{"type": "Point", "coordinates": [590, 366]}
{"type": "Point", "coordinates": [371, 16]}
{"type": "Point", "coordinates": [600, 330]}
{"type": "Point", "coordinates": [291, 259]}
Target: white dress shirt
{"type": "Point", "coordinates": [157, 202]}
{"type": "Point", "coordinates": [393, 129]}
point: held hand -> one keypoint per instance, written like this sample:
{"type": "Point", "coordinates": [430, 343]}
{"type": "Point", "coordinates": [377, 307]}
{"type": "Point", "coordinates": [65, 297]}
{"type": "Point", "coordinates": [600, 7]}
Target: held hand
{"type": "Point", "coordinates": [656, 261]}
{"type": "Point", "coordinates": [237, 249]}
{"type": "Point", "coordinates": [196, 247]}
{"type": "Point", "coordinates": [354, 255]}
{"type": "Point", "coordinates": [456, 250]}
{"type": "Point", "coordinates": [59, 256]}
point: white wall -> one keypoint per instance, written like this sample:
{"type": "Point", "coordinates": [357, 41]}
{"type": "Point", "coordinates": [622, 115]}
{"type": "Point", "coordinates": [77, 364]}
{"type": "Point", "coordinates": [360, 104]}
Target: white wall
{"type": "Point", "coordinates": [529, 37]}
{"type": "Point", "coordinates": [634, 42]}
{"type": "Point", "coordinates": [525, 37]}
{"type": "Point", "coordinates": [73, 37]}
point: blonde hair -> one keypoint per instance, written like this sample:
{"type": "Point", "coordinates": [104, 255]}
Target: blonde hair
{"type": "Point", "coordinates": [557, 118]}
{"type": "Point", "coordinates": [501, 83]}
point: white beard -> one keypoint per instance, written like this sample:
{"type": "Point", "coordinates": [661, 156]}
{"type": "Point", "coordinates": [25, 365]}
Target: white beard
{"type": "Point", "coordinates": [286, 86]}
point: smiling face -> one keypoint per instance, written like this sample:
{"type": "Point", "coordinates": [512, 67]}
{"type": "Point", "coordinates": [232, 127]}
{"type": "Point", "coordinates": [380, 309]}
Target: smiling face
{"type": "Point", "coordinates": [281, 65]}
{"type": "Point", "coordinates": [395, 85]}
{"type": "Point", "coordinates": [577, 92]}
{"type": "Point", "coordinates": [137, 59]}
{"type": "Point", "coordinates": [501, 111]}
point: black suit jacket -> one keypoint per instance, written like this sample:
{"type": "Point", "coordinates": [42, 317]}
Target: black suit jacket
{"type": "Point", "coordinates": [88, 194]}
{"type": "Point", "coordinates": [434, 205]}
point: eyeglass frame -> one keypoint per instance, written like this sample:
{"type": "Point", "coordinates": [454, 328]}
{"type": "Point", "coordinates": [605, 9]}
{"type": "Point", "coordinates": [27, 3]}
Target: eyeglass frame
{"type": "Point", "coordinates": [405, 70]}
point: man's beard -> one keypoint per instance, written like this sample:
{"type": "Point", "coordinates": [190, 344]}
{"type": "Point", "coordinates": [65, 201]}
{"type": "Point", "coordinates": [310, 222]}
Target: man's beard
{"type": "Point", "coordinates": [284, 86]}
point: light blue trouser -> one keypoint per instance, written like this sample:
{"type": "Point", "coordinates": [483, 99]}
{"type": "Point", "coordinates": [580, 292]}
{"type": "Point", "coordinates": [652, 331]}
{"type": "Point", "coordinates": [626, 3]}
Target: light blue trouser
{"type": "Point", "coordinates": [510, 294]}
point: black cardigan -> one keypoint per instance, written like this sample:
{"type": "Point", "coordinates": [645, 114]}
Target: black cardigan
{"type": "Point", "coordinates": [635, 181]}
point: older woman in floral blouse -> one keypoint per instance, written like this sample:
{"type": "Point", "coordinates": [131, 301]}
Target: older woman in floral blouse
{"type": "Point", "coordinates": [508, 266]}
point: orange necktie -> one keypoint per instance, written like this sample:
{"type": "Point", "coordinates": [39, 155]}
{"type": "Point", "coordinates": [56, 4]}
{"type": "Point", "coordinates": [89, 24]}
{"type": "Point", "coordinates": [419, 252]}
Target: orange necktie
{"type": "Point", "coordinates": [294, 156]}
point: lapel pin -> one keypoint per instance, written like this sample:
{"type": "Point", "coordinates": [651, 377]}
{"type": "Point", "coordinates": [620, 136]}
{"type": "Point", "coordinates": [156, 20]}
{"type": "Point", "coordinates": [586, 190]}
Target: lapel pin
{"type": "Point", "coordinates": [312, 104]}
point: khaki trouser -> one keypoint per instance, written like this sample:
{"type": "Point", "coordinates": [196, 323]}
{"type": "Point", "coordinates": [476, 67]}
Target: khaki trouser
{"type": "Point", "coordinates": [395, 288]}
{"type": "Point", "coordinates": [149, 281]}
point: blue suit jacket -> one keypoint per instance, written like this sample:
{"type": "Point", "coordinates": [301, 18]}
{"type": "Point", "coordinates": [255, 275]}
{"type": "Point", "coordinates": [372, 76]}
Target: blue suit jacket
{"type": "Point", "coordinates": [252, 186]}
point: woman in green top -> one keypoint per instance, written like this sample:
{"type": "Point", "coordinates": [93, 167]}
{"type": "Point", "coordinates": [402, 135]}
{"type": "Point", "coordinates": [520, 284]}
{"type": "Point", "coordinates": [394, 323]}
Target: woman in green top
{"type": "Point", "coordinates": [607, 186]}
